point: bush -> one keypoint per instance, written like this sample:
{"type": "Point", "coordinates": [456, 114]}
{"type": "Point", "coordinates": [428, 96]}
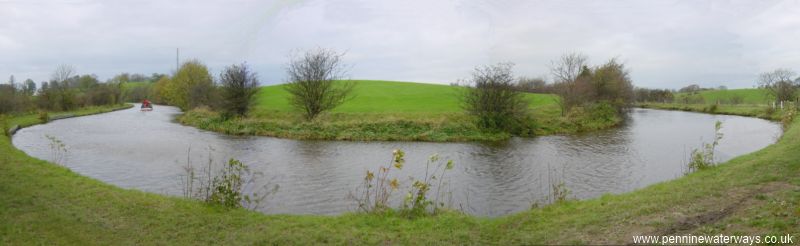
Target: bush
{"type": "Point", "coordinates": [703, 158]}
{"type": "Point", "coordinates": [712, 108]}
{"type": "Point", "coordinates": [377, 188]}
{"type": "Point", "coordinates": [226, 188]}
{"type": "Point", "coordinates": [603, 110]}
{"type": "Point", "coordinates": [494, 101]}
{"type": "Point", "coordinates": [239, 85]}
{"type": "Point", "coordinates": [44, 117]}
{"type": "Point", "coordinates": [769, 110]}
{"type": "Point", "coordinates": [418, 201]}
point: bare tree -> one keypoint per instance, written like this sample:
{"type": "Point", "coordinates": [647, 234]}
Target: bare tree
{"type": "Point", "coordinates": [313, 81]}
{"type": "Point", "coordinates": [575, 92]}
{"type": "Point", "coordinates": [779, 84]}
{"type": "Point", "coordinates": [568, 67]}
{"type": "Point", "coordinates": [494, 98]}
{"type": "Point", "coordinates": [63, 73]}
{"type": "Point", "coordinates": [239, 84]}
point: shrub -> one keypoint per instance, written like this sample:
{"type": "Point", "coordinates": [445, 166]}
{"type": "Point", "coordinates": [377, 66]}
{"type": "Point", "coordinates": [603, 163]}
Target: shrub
{"type": "Point", "coordinates": [227, 188]}
{"type": "Point", "coordinates": [712, 108]}
{"type": "Point", "coordinates": [788, 116]}
{"type": "Point", "coordinates": [417, 201]}
{"type": "Point", "coordinates": [58, 150]}
{"type": "Point", "coordinates": [378, 187]}
{"type": "Point", "coordinates": [494, 100]}
{"type": "Point", "coordinates": [603, 110]}
{"type": "Point", "coordinates": [703, 158]}
{"type": "Point", "coordinates": [769, 110]}
{"type": "Point", "coordinates": [44, 117]}
{"type": "Point", "coordinates": [239, 84]}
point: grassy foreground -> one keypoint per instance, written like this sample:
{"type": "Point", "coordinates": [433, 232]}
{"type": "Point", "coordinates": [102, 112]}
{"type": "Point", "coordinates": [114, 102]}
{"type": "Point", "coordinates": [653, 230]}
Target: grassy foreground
{"type": "Point", "coordinates": [755, 194]}
{"type": "Point", "coordinates": [385, 110]}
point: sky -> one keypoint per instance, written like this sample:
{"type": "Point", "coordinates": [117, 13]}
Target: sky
{"type": "Point", "coordinates": [664, 44]}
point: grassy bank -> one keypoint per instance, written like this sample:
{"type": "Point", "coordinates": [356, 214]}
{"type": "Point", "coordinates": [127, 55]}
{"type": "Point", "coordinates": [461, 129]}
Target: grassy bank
{"type": "Point", "coordinates": [384, 110]}
{"type": "Point", "coordinates": [745, 96]}
{"type": "Point", "coordinates": [755, 194]}
{"type": "Point", "coordinates": [751, 110]}
{"type": "Point", "coordinates": [33, 119]}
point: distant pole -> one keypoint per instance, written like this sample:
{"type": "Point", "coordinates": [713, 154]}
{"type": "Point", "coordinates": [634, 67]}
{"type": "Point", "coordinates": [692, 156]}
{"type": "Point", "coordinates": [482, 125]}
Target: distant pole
{"type": "Point", "coordinates": [177, 59]}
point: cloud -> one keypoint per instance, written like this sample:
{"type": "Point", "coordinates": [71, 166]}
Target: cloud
{"type": "Point", "coordinates": [666, 44]}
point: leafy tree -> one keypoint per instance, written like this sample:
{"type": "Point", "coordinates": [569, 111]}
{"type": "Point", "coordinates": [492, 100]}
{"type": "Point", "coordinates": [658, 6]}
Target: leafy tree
{"type": "Point", "coordinates": [86, 82]}
{"type": "Point", "coordinates": [192, 86]}
{"type": "Point", "coordinates": [158, 93]}
{"type": "Point", "coordinates": [239, 84]}
{"type": "Point", "coordinates": [613, 85]}
{"type": "Point", "coordinates": [311, 82]}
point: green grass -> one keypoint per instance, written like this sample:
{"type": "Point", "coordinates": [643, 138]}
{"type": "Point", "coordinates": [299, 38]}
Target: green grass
{"type": "Point", "coordinates": [748, 96]}
{"type": "Point", "coordinates": [759, 111]}
{"type": "Point", "coordinates": [387, 110]}
{"type": "Point", "coordinates": [372, 96]}
{"type": "Point", "coordinates": [755, 103]}
{"type": "Point", "coordinates": [758, 194]}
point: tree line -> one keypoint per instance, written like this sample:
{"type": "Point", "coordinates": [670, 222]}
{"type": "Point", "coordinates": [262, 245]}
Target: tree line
{"type": "Point", "coordinates": [66, 90]}
{"type": "Point", "coordinates": [316, 83]}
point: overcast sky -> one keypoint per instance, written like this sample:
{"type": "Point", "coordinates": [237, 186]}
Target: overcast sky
{"type": "Point", "coordinates": [665, 44]}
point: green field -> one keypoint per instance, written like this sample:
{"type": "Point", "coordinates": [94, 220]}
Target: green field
{"type": "Point", "coordinates": [387, 110]}
{"type": "Point", "coordinates": [755, 194]}
{"type": "Point", "coordinates": [371, 96]}
{"type": "Point", "coordinates": [754, 103]}
{"type": "Point", "coordinates": [748, 96]}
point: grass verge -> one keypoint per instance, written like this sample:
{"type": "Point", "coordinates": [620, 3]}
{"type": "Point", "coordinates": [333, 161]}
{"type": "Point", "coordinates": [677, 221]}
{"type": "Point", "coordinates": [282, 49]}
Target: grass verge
{"type": "Point", "coordinates": [755, 194]}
